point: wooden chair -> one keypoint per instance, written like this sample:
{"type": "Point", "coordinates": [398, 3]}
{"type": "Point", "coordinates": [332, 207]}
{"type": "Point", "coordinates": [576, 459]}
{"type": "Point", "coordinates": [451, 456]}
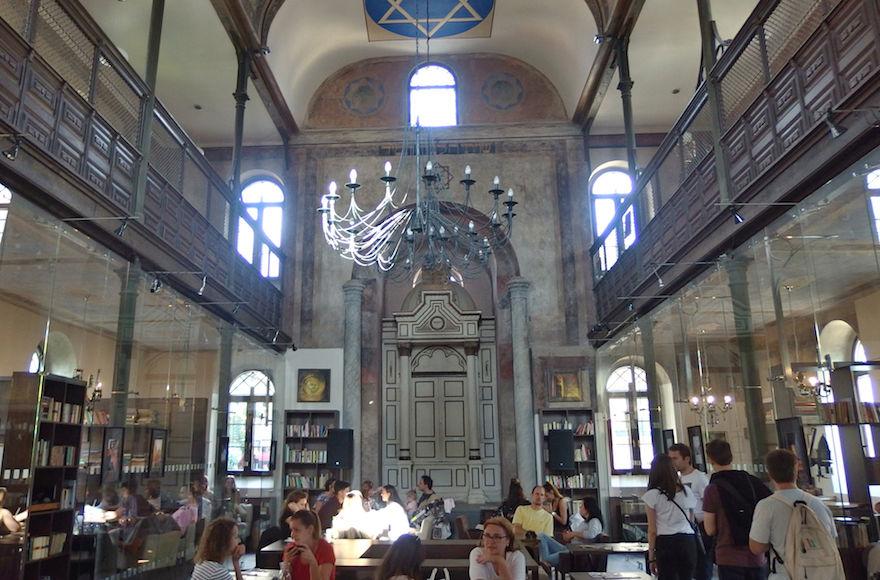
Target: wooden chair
{"type": "Point", "coordinates": [463, 531]}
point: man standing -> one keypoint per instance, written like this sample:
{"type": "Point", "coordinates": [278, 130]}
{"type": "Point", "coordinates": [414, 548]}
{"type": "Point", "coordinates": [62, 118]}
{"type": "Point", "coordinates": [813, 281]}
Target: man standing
{"type": "Point", "coordinates": [728, 505]}
{"type": "Point", "coordinates": [773, 514]}
{"type": "Point", "coordinates": [533, 517]}
{"type": "Point", "coordinates": [696, 480]}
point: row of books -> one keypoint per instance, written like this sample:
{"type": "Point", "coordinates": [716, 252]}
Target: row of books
{"type": "Point", "coordinates": [583, 453]}
{"type": "Point", "coordinates": [587, 428]}
{"type": "Point", "coordinates": [851, 534]}
{"type": "Point", "coordinates": [581, 480]}
{"type": "Point", "coordinates": [59, 411]}
{"type": "Point", "coordinates": [68, 496]}
{"type": "Point", "coordinates": [838, 412]}
{"type": "Point", "coordinates": [871, 412]}
{"type": "Point", "coordinates": [307, 430]}
{"type": "Point", "coordinates": [45, 546]}
{"type": "Point", "coordinates": [299, 481]}
{"type": "Point", "coordinates": [54, 455]}
{"type": "Point", "coordinates": [134, 462]}
{"type": "Point", "coordinates": [305, 456]}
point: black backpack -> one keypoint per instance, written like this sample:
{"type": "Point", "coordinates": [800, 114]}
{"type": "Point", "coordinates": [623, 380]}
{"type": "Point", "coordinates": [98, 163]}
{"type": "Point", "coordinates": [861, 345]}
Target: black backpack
{"type": "Point", "coordinates": [739, 505]}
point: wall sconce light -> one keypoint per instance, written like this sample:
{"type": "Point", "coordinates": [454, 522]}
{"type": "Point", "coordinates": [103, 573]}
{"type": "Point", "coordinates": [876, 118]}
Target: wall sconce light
{"type": "Point", "coordinates": [708, 406]}
{"type": "Point", "coordinates": [11, 153]}
{"type": "Point", "coordinates": [811, 387]}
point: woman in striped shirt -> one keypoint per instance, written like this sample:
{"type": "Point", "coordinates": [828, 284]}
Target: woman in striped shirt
{"type": "Point", "coordinates": [219, 543]}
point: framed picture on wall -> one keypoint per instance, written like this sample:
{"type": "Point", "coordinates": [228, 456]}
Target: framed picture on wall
{"type": "Point", "coordinates": [668, 439]}
{"type": "Point", "coordinates": [566, 387]}
{"type": "Point", "coordinates": [158, 443]}
{"type": "Point", "coordinates": [698, 452]}
{"type": "Point", "coordinates": [791, 436]}
{"type": "Point", "coordinates": [313, 386]}
{"type": "Point", "coordinates": [111, 456]}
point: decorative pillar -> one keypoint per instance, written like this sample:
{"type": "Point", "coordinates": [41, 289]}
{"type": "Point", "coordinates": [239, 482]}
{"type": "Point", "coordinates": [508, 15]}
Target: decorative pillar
{"type": "Point", "coordinates": [646, 329]}
{"type": "Point", "coordinates": [404, 408]}
{"type": "Point", "coordinates": [475, 486]}
{"type": "Point", "coordinates": [128, 299]}
{"type": "Point", "coordinates": [227, 333]}
{"type": "Point", "coordinates": [351, 362]}
{"type": "Point", "coordinates": [526, 465]}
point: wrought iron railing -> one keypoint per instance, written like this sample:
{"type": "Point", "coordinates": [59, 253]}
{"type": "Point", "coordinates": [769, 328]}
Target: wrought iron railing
{"type": "Point", "coordinates": [83, 103]}
{"type": "Point", "coordinates": [772, 35]}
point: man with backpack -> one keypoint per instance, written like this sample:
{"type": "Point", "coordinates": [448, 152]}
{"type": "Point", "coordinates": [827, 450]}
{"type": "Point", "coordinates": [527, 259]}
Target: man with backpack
{"type": "Point", "coordinates": [728, 504]}
{"type": "Point", "coordinates": [795, 527]}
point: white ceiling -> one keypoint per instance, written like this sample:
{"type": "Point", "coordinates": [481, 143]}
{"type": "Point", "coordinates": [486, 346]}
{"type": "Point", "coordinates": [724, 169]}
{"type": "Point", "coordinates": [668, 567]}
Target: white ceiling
{"type": "Point", "coordinates": [311, 40]}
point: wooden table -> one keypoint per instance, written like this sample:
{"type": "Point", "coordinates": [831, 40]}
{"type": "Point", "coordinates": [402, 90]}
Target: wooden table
{"type": "Point", "coordinates": [609, 576]}
{"type": "Point", "coordinates": [360, 557]}
{"type": "Point", "coordinates": [610, 548]}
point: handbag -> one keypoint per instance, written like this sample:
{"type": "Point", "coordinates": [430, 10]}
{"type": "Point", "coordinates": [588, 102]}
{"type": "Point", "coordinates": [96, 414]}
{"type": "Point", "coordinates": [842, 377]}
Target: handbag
{"type": "Point", "coordinates": [698, 537]}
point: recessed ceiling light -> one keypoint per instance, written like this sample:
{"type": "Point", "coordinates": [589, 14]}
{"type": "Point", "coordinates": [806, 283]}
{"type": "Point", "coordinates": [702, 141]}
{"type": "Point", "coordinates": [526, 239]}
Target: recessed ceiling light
{"type": "Point", "coordinates": [676, 91]}
{"type": "Point", "coordinates": [197, 107]}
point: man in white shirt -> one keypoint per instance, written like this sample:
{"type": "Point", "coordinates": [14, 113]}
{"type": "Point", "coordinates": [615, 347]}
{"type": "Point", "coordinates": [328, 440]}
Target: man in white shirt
{"type": "Point", "coordinates": [696, 480]}
{"type": "Point", "coordinates": [772, 516]}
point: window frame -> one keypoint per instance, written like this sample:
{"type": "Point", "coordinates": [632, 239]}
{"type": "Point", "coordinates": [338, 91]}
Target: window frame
{"type": "Point", "coordinates": [632, 396]}
{"type": "Point", "coordinates": [251, 402]}
{"type": "Point", "coordinates": [619, 198]}
{"type": "Point", "coordinates": [454, 87]}
{"type": "Point", "coordinates": [260, 237]}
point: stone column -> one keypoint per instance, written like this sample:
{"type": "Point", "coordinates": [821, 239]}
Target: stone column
{"type": "Point", "coordinates": [476, 495]}
{"type": "Point", "coordinates": [351, 362]}
{"type": "Point", "coordinates": [522, 382]}
{"type": "Point", "coordinates": [404, 408]}
{"type": "Point", "coordinates": [128, 299]}
{"type": "Point", "coordinates": [227, 334]}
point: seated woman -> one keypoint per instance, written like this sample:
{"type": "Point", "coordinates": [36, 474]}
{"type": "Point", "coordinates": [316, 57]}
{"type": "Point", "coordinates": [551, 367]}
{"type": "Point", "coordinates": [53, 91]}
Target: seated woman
{"type": "Point", "coordinates": [392, 517]}
{"type": "Point", "coordinates": [9, 523]}
{"type": "Point", "coordinates": [188, 513]}
{"type": "Point", "coordinates": [219, 544]}
{"type": "Point", "coordinates": [557, 505]}
{"type": "Point", "coordinates": [309, 556]}
{"type": "Point", "coordinates": [515, 498]}
{"type": "Point", "coordinates": [586, 526]}
{"type": "Point", "coordinates": [403, 561]}
{"type": "Point", "coordinates": [499, 555]}
{"type": "Point", "coordinates": [295, 501]}
{"type": "Point", "coordinates": [353, 521]}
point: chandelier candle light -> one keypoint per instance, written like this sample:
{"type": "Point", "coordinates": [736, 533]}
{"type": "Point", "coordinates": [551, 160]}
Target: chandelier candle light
{"type": "Point", "coordinates": [708, 405]}
{"type": "Point", "coordinates": [434, 232]}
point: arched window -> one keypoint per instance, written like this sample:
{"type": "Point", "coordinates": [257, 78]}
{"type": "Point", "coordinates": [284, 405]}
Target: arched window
{"type": "Point", "coordinates": [865, 387]}
{"type": "Point", "coordinates": [632, 445]}
{"type": "Point", "coordinates": [5, 200]}
{"type": "Point", "coordinates": [250, 424]}
{"type": "Point", "coordinates": [608, 188]}
{"type": "Point", "coordinates": [263, 201]}
{"type": "Point", "coordinates": [36, 363]}
{"type": "Point", "coordinates": [432, 99]}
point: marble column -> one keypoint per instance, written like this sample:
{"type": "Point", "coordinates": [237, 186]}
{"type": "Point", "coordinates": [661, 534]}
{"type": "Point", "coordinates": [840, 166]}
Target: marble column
{"type": "Point", "coordinates": [404, 409]}
{"type": "Point", "coordinates": [128, 300]}
{"type": "Point", "coordinates": [476, 495]}
{"type": "Point", "coordinates": [522, 382]}
{"type": "Point", "coordinates": [351, 362]}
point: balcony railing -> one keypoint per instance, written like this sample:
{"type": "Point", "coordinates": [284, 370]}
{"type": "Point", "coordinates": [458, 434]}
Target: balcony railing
{"type": "Point", "coordinates": [680, 179]}
{"type": "Point", "coordinates": [80, 101]}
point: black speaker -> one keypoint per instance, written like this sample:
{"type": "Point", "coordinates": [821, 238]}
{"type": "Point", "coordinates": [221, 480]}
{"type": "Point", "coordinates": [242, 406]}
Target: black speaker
{"type": "Point", "coordinates": [560, 450]}
{"type": "Point", "coordinates": [340, 448]}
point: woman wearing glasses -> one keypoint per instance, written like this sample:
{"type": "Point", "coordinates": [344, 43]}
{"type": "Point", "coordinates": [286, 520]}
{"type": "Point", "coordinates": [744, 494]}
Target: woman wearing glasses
{"type": "Point", "coordinates": [499, 556]}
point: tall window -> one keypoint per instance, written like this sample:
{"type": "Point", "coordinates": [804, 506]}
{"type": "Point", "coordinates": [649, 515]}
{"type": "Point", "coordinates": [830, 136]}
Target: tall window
{"type": "Point", "coordinates": [432, 100]}
{"type": "Point", "coordinates": [608, 189]}
{"type": "Point", "coordinates": [865, 387]}
{"type": "Point", "coordinates": [250, 423]}
{"type": "Point", "coordinates": [632, 445]}
{"type": "Point", "coordinates": [263, 201]}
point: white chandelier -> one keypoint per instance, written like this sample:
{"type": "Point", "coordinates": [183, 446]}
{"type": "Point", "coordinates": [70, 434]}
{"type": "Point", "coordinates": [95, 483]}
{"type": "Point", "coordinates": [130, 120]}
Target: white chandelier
{"type": "Point", "coordinates": [707, 405]}
{"type": "Point", "coordinates": [419, 225]}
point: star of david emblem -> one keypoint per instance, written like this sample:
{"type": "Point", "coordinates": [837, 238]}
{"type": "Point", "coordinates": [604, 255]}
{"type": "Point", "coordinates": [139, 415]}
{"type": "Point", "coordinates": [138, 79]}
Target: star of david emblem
{"type": "Point", "coordinates": [435, 19]}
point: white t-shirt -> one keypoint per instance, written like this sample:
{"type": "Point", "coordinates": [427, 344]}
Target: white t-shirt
{"type": "Point", "coordinates": [670, 519]}
{"type": "Point", "coordinates": [770, 522]}
{"type": "Point", "coordinates": [697, 481]}
{"type": "Point", "coordinates": [516, 562]}
{"type": "Point", "coordinates": [588, 529]}
{"type": "Point", "coordinates": [209, 570]}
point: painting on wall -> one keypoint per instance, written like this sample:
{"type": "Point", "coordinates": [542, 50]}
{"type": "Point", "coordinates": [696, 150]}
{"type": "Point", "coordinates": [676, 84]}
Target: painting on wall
{"type": "Point", "coordinates": [698, 453]}
{"type": "Point", "coordinates": [564, 387]}
{"type": "Point", "coordinates": [313, 386]}
{"type": "Point", "coordinates": [158, 438]}
{"type": "Point", "coordinates": [111, 462]}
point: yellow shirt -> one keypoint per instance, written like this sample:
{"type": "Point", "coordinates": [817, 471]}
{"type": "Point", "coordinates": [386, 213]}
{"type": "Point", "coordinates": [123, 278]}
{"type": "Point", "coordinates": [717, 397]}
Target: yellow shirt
{"type": "Point", "coordinates": [539, 521]}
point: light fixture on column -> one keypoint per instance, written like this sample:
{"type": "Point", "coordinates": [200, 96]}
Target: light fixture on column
{"type": "Point", "coordinates": [811, 386]}
{"type": "Point", "coordinates": [835, 129]}
{"type": "Point", "coordinates": [11, 152]}
{"type": "Point", "coordinates": [708, 406]}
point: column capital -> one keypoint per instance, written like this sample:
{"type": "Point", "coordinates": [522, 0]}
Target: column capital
{"type": "Point", "coordinates": [471, 348]}
{"type": "Point", "coordinates": [518, 287]}
{"type": "Point", "coordinates": [353, 289]}
{"type": "Point", "coordinates": [404, 349]}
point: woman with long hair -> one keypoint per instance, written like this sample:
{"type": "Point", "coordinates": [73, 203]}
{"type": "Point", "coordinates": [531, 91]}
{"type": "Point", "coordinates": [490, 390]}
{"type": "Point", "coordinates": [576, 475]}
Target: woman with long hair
{"type": "Point", "coordinates": [498, 556]}
{"type": "Point", "coordinates": [325, 495]}
{"type": "Point", "coordinates": [672, 551]}
{"type": "Point", "coordinates": [309, 556]}
{"type": "Point", "coordinates": [558, 507]}
{"type": "Point", "coordinates": [393, 516]}
{"type": "Point", "coordinates": [295, 501]}
{"type": "Point", "coordinates": [219, 543]}
{"type": "Point", "coordinates": [587, 524]}
{"type": "Point", "coordinates": [403, 560]}
{"type": "Point", "coordinates": [515, 498]}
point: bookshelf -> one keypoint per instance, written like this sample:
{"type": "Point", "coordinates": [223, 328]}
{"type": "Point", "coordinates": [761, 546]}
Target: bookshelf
{"type": "Point", "coordinates": [304, 453]}
{"type": "Point", "coordinates": [40, 470]}
{"type": "Point", "coordinates": [585, 479]}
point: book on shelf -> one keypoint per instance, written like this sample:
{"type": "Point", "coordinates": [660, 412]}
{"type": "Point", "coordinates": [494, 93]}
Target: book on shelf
{"type": "Point", "coordinates": [871, 412]}
{"type": "Point", "coordinates": [586, 428]}
{"type": "Point", "coordinates": [307, 429]}
{"type": "Point", "coordinates": [299, 481]}
{"type": "Point", "coordinates": [305, 455]}
{"type": "Point", "coordinates": [836, 413]}
{"type": "Point", "coordinates": [580, 480]}
{"type": "Point", "coordinates": [583, 453]}
{"type": "Point", "coordinates": [59, 411]}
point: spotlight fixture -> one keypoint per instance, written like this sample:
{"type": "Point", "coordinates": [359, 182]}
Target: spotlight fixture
{"type": "Point", "coordinates": [12, 152]}
{"type": "Point", "coordinates": [156, 286]}
{"type": "Point", "coordinates": [600, 38]}
{"type": "Point", "coordinates": [275, 338]}
{"type": "Point", "coordinates": [737, 217]}
{"type": "Point", "coordinates": [835, 129]}
{"type": "Point", "coordinates": [235, 308]}
{"type": "Point", "coordinates": [204, 283]}
{"type": "Point", "coordinates": [660, 283]}
{"type": "Point", "coordinates": [120, 231]}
